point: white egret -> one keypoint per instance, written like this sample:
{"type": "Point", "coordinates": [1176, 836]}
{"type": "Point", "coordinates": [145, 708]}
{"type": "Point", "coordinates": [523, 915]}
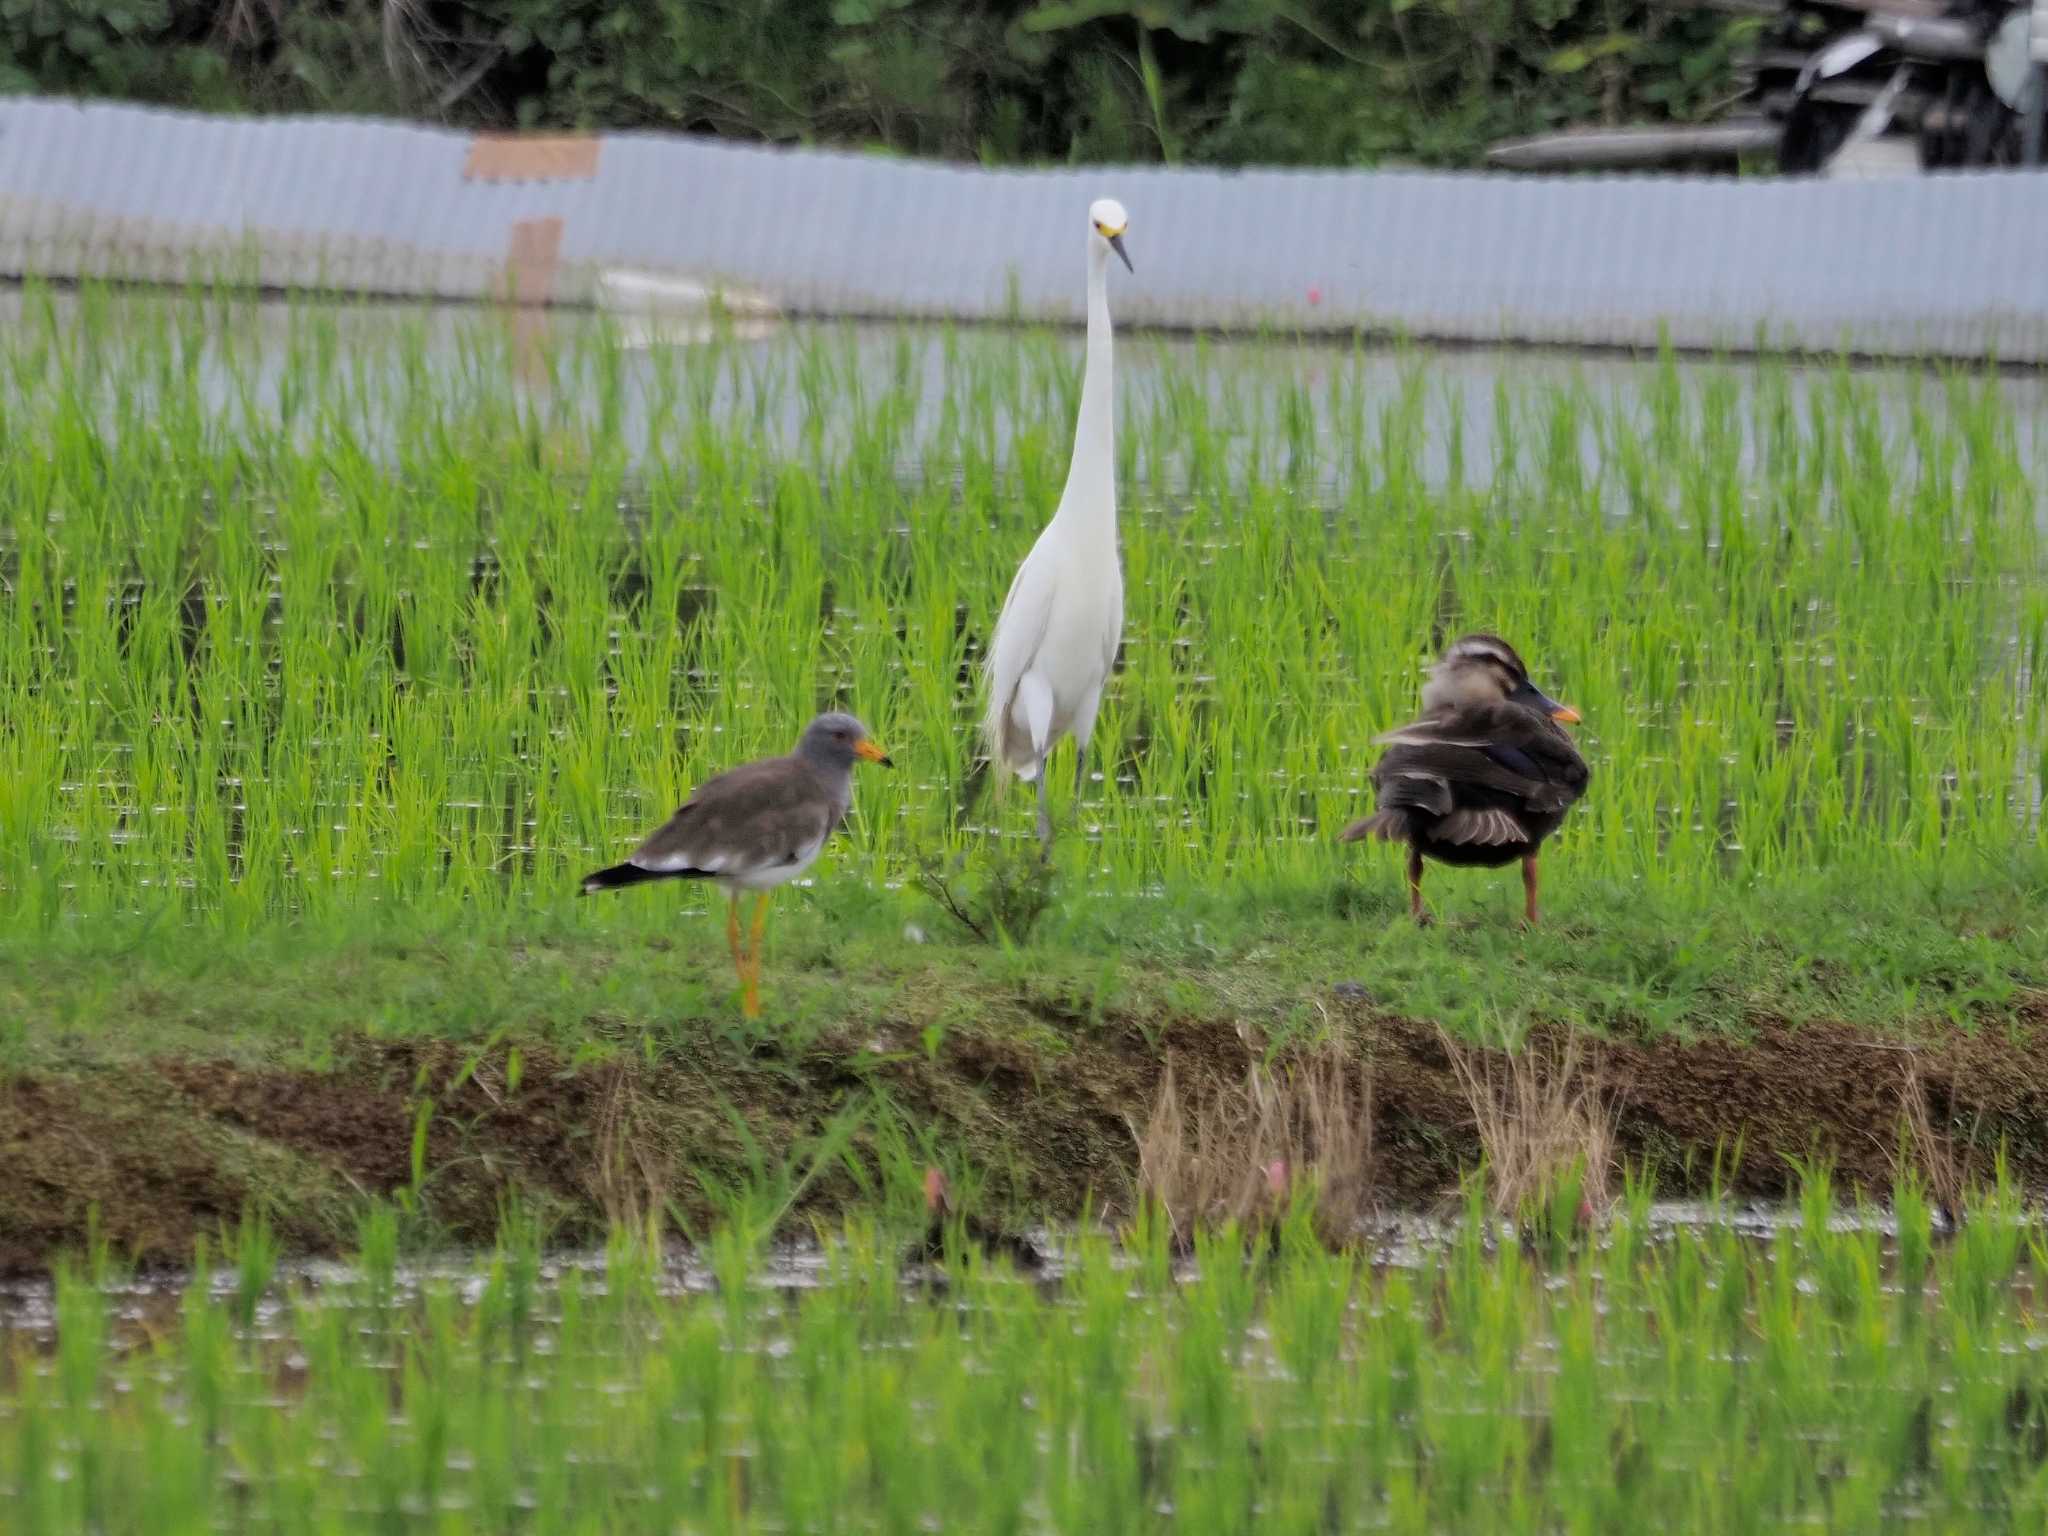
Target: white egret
{"type": "Point", "coordinates": [1056, 638]}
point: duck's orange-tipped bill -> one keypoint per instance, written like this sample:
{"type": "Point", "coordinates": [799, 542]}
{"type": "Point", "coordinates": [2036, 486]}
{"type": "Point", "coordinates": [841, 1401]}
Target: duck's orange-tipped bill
{"type": "Point", "coordinates": [1564, 714]}
{"type": "Point", "coordinates": [868, 750]}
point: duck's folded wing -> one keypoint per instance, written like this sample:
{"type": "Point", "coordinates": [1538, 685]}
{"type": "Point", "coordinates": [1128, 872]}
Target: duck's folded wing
{"type": "Point", "coordinates": [1440, 750]}
{"type": "Point", "coordinates": [1510, 751]}
{"type": "Point", "coordinates": [1523, 742]}
{"type": "Point", "coordinates": [1488, 827]}
{"type": "Point", "coordinates": [1409, 779]}
{"type": "Point", "coordinates": [1426, 779]}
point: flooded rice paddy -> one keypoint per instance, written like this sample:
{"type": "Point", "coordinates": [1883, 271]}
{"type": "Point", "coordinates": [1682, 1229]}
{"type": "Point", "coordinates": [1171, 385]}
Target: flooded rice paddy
{"type": "Point", "coordinates": [305, 607]}
{"type": "Point", "coordinates": [1681, 1371]}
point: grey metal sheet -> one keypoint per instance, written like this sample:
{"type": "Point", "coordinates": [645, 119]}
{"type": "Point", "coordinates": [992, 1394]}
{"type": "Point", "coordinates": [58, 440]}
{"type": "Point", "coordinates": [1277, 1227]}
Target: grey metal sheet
{"type": "Point", "coordinates": [1929, 265]}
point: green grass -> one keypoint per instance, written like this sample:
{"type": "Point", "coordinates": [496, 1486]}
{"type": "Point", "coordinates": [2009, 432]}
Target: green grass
{"type": "Point", "coordinates": [1681, 1381]}
{"type": "Point", "coordinates": [341, 626]}
{"type": "Point", "coordinates": [1859, 945]}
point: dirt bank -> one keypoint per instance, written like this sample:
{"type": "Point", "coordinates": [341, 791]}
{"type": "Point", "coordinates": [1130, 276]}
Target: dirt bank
{"type": "Point", "coordinates": [173, 1149]}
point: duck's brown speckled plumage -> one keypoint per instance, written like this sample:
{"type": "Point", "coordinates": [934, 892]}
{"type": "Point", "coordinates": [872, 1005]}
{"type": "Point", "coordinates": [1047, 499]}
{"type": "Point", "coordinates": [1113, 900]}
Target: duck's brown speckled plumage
{"type": "Point", "coordinates": [1484, 776]}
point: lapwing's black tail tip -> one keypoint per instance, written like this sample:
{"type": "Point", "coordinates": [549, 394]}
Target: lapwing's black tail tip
{"type": "Point", "coordinates": [615, 877]}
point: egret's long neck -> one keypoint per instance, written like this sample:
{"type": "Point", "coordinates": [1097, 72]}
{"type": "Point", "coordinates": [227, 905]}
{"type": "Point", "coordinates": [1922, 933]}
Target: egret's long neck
{"type": "Point", "coordinates": [1090, 495]}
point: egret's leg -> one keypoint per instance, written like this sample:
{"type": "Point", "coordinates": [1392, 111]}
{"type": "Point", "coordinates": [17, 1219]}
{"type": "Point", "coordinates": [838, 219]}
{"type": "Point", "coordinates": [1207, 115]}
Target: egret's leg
{"type": "Point", "coordinates": [1415, 886]}
{"type": "Point", "coordinates": [1044, 813]}
{"type": "Point", "coordinates": [1084, 732]}
{"type": "Point", "coordinates": [1529, 890]}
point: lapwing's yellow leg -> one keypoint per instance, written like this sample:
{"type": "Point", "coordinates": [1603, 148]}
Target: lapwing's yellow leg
{"type": "Point", "coordinates": [732, 941]}
{"type": "Point", "coordinates": [750, 1000]}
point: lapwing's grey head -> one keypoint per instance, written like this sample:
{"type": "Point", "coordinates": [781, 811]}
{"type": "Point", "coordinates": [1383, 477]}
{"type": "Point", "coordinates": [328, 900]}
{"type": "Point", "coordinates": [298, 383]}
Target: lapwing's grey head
{"type": "Point", "coordinates": [837, 740]}
{"type": "Point", "coordinates": [1484, 669]}
{"type": "Point", "coordinates": [1106, 217]}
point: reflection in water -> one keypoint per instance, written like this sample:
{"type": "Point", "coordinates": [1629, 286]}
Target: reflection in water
{"type": "Point", "coordinates": [1297, 405]}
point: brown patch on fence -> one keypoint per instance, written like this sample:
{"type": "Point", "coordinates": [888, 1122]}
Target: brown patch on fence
{"type": "Point", "coordinates": [531, 157]}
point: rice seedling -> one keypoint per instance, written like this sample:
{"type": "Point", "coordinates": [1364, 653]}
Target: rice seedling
{"type": "Point", "coordinates": [340, 614]}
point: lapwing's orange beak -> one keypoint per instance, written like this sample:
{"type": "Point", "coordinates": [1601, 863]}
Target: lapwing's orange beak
{"type": "Point", "coordinates": [868, 750]}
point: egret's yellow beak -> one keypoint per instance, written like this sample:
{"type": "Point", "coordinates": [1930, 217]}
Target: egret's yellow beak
{"type": "Point", "coordinates": [868, 750]}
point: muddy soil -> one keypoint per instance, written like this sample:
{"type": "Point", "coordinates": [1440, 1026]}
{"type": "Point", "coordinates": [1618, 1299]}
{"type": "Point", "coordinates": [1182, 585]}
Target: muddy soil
{"type": "Point", "coordinates": [163, 1153]}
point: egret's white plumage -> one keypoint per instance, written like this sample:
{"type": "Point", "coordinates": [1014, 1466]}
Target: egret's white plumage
{"type": "Point", "coordinates": [1056, 639]}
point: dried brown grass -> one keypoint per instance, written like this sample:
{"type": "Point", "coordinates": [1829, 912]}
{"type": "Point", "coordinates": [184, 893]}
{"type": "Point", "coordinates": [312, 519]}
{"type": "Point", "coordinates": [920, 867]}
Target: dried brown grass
{"type": "Point", "coordinates": [1541, 1113]}
{"type": "Point", "coordinates": [1947, 1168]}
{"type": "Point", "coordinates": [1244, 1152]}
{"type": "Point", "coordinates": [626, 1176]}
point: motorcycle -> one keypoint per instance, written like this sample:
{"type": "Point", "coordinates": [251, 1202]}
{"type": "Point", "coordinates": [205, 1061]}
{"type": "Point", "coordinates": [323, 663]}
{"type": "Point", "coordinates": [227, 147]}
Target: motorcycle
{"type": "Point", "coordinates": [1852, 87]}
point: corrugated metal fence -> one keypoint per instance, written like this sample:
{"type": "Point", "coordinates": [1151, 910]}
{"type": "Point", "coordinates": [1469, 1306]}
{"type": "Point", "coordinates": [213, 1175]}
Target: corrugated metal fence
{"type": "Point", "coordinates": [1944, 265]}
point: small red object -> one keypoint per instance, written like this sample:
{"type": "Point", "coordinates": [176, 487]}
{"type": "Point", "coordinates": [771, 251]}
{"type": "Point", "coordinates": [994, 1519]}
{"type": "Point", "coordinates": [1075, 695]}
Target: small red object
{"type": "Point", "coordinates": [1315, 294]}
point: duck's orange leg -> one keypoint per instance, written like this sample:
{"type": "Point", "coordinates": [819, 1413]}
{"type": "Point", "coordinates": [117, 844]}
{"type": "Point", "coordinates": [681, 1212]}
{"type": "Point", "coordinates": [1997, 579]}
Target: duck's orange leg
{"type": "Point", "coordinates": [1529, 889]}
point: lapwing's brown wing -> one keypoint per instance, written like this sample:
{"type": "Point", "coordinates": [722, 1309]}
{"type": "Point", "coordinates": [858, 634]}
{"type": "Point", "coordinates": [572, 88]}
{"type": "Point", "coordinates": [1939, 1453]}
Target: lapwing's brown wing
{"type": "Point", "coordinates": [751, 819]}
{"type": "Point", "coordinates": [746, 820]}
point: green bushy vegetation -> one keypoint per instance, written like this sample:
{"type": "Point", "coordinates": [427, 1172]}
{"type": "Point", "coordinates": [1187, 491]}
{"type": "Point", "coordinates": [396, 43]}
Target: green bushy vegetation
{"type": "Point", "coordinates": [1247, 82]}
